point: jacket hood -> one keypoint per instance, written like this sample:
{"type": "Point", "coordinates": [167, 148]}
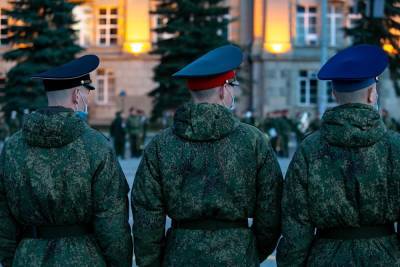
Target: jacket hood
{"type": "Point", "coordinates": [204, 122]}
{"type": "Point", "coordinates": [52, 127]}
{"type": "Point", "coordinates": [352, 125]}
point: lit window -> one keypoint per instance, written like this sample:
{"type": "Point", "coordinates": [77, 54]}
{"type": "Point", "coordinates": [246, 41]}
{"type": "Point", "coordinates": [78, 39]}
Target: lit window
{"type": "Point", "coordinates": [306, 25]}
{"type": "Point", "coordinates": [107, 27]}
{"type": "Point", "coordinates": [106, 87]}
{"type": "Point", "coordinates": [3, 28]}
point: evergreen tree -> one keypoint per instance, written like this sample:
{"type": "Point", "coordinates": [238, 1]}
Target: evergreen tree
{"type": "Point", "coordinates": [187, 29]}
{"type": "Point", "coordinates": [383, 32]}
{"type": "Point", "coordinates": [42, 37]}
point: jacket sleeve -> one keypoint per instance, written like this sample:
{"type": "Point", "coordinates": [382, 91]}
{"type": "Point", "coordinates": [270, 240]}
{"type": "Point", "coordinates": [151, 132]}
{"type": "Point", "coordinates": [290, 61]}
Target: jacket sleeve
{"type": "Point", "coordinates": [297, 229]}
{"type": "Point", "coordinates": [8, 225]}
{"type": "Point", "coordinates": [111, 208]}
{"type": "Point", "coordinates": [148, 211]}
{"type": "Point", "coordinates": [267, 217]}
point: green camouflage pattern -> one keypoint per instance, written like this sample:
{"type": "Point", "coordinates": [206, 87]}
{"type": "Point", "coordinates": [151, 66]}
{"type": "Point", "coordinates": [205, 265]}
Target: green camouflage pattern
{"type": "Point", "coordinates": [347, 174]}
{"type": "Point", "coordinates": [134, 125]}
{"type": "Point", "coordinates": [208, 165]}
{"type": "Point", "coordinates": [59, 171]}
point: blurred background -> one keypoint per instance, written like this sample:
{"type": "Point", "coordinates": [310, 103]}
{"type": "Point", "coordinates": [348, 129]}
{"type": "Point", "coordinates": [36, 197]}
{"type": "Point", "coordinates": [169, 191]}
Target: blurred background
{"type": "Point", "coordinates": [141, 43]}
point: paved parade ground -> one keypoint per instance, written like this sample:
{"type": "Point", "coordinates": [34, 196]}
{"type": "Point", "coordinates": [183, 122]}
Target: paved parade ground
{"type": "Point", "coordinates": [129, 167]}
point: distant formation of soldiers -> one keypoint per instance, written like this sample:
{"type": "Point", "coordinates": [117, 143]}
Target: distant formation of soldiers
{"type": "Point", "coordinates": [282, 130]}
{"type": "Point", "coordinates": [133, 129]}
{"type": "Point", "coordinates": [9, 127]}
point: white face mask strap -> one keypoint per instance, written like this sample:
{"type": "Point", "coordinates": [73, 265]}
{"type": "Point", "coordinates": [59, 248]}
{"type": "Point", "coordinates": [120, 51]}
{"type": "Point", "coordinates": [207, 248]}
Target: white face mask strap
{"type": "Point", "coordinates": [84, 101]}
{"type": "Point", "coordinates": [76, 104]}
{"type": "Point", "coordinates": [232, 106]}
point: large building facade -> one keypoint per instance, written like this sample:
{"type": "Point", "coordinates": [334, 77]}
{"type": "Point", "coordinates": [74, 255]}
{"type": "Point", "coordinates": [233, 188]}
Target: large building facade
{"type": "Point", "coordinates": [287, 55]}
{"type": "Point", "coordinates": [281, 39]}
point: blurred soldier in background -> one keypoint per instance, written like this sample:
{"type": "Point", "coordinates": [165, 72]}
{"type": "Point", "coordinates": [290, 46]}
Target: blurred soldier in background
{"type": "Point", "coordinates": [134, 131]}
{"type": "Point", "coordinates": [314, 125]}
{"type": "Point", "coordinates": [168, 118]}
{"type": "Point", "coordinates": [390, 122]}
{"type": "Point", "coordinates": [249, 118]}
{"type": "Point", "coordinates": [117, 132]}
{"type": "Point", "coordinates": [144, 125]}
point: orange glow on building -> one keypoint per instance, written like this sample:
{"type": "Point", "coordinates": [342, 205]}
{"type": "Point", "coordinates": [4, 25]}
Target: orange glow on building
{"type": "Point", "coordinates": [389, 48]}
{"type": "Point", "coordinates": [277, 48]}
{"type": "Point", "coordinates": [137, 47]}
{"type": "Point", "coordinates": [258, 19]}
{"type": "Point", "coordinates": [137, 31]}
{"type": "Point", "coordinates": [277, 39]}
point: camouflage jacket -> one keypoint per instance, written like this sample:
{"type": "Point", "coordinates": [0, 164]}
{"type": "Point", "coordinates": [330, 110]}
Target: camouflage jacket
{"type": "Point", "coordinates": [209, 165]}
{"type": "Point", "coordinates": [347, 174]}
{"type": "Point", "coordinates": [134, 125]}
{"type": "Point", "coordinates": [59, 171]}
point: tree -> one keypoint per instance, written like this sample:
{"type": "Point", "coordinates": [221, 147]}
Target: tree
{"type": "Point", "coordinates": [42, 37]}
{"type": "Point", "coordinates": [384, 32]}
{"type": "Point", "coordinates": [187, 29]}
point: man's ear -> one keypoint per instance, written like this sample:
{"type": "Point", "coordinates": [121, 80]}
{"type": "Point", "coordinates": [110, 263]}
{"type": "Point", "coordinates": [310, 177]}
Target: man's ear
{"type": "Point", "coordinates": [222, 92]}
{"type": "Point", "coordinates": [371, 95]}
{"type": "Point", "coordinates": [75, 96]}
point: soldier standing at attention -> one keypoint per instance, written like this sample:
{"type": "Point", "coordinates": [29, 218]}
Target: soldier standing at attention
{"type": "Point", "coordinates": [209, 173]}
{"type": "Point", "coordinates": [117, 132]}
{"type": "Point", "coordinates": [342, 189]}
{"type": "Point", "coordinates": [144, 124]}
{"type": "Point", "coordinates": [133, 128]}
{"type": "Point", "coordinates": [63, 196]}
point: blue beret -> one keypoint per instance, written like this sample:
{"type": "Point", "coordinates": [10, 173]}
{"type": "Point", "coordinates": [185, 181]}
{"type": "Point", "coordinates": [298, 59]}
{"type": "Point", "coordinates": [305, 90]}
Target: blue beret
{"type": "Point", "coordinates": [70, 75]}
{"type": "Point", "coordinates": [354, 68]}
{"type": "Point", "coordinates": [215, 62]}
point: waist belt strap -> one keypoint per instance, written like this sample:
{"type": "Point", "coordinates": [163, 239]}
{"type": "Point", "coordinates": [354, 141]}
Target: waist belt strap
{"type": "Point", "coordinates": [56, 231]}
{"type": "Point", "coordinates": [208, 224]}
{"type": "Point", "coordinates": [363, 232]}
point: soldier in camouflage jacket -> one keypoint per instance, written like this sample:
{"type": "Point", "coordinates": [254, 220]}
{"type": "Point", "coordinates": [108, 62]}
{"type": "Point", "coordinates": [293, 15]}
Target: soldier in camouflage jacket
{"type": "Point", "coordinates": [63, 196]}
{"type": "Point", "coordinates": [209, 173]}
{"type": "Point", "coordinates": [342, 189]}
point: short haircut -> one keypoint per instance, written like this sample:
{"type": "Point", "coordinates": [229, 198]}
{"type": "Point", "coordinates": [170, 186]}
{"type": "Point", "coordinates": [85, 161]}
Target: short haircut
{"type": "Point", "coordinates": [359, 96]}
{"type": "Point", "coordinates": [204, 95]}
{"type": "Point", "coordinates": [60, 95]}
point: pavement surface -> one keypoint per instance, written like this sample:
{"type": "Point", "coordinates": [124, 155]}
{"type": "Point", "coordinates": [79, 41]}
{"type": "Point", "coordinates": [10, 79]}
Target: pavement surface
{"type": "Point", "coordinates": [130, 166]}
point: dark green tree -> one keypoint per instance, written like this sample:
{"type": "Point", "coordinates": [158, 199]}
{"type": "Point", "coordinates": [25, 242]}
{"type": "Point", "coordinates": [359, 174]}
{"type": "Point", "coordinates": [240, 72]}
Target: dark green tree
{"type": "Point", "coordinates": [41, 37]}
{"type": "Point", "coordinates": [186, 29]}
{"type": "Point", "coordinates": [382, 31]}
